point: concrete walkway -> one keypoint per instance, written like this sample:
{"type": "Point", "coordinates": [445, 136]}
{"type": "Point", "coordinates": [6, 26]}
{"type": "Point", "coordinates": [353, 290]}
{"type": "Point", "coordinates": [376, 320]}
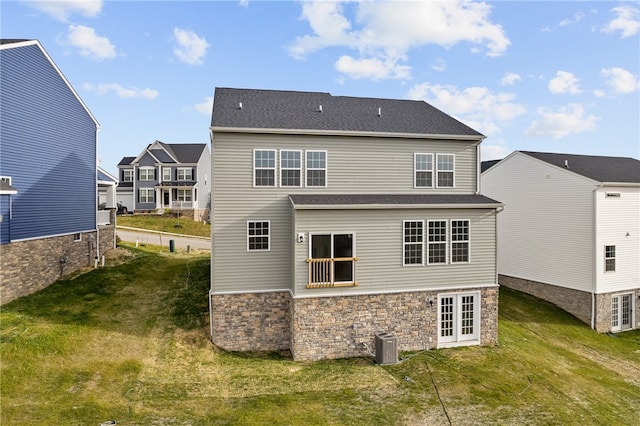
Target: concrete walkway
{"type": "Point", "coordinates": [145, 236]}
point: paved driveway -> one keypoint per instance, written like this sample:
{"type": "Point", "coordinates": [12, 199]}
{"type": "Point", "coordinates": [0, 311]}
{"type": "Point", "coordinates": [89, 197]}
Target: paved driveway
{"type": "Point", "coordinates": [162, 238]}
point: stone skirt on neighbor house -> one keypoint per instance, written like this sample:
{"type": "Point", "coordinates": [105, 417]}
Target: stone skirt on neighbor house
{"type": "Point", "coordinates": [314, 328]}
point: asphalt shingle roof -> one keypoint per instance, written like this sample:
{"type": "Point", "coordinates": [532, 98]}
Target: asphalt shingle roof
{"type": "Point", "coordinates": [276, 109]}
{"type": "Point", "coordinates": [598, 168]}
{"type": "Point", "coordinates": [389, 199]}
{"type": "Point", "coordinates": [187, 152]}
{"type": "Point", "coordinates": [126, 161]}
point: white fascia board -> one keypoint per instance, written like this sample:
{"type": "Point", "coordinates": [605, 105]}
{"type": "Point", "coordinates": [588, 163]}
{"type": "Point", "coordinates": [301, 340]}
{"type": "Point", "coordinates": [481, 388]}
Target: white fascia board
{"type": "Point", "coordinates": [621, 184]}
{"type": "Point", "coordinates": [395, 206]}
{"type": "Point", "coordinates": [318, 132]}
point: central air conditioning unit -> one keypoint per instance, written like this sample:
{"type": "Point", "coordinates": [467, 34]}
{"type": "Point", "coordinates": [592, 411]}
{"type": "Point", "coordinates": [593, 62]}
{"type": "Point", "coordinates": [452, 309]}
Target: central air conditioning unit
{"type": "Point", "coordinates": [386, 349]}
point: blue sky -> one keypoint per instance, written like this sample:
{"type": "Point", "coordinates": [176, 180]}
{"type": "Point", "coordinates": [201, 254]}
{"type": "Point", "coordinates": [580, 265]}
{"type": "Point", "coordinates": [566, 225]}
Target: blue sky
{"type": "Point", "coordinates": [541, 76]}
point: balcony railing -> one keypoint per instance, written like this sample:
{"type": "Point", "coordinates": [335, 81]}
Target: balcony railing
{"type": "Point", "coordinates": [104, 217]}
{"type": "Point", "coordinates": [332, 272]}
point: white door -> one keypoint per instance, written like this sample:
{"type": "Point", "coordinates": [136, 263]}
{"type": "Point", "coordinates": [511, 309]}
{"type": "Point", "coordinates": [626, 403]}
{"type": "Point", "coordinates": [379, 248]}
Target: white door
{"type": "Point", "coordinates": [621, 312]}
{"type": "Point", "coordinates": [458, 319]}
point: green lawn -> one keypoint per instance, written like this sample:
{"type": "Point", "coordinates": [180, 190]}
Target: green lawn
{"type": "Point", "coordinates": [165, 223]}
{"type": "Point", "coordinates": [130, 343]}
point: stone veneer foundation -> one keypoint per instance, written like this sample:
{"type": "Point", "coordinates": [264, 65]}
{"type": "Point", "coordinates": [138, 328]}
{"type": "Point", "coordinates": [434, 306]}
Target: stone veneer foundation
{"type": "Point", "coordinates": [31, 265]}
{"type": "Point", "coordinates": [577, 303]}
{"type": "Point", "coordinates": [335, 327]}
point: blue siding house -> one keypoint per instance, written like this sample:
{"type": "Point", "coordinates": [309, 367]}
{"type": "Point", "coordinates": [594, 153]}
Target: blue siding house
{"type": "Point", "coordinates": [48, 153]}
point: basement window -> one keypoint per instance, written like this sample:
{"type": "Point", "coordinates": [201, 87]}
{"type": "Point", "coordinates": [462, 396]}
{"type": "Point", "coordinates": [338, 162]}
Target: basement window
{"type": "Point", "coordinates": [77, 237]}
{"type": "Point", "coordinates": [612, 195]}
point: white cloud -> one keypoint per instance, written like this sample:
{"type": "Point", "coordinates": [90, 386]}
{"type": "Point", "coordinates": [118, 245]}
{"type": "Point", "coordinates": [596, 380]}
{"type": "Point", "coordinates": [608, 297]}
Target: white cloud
{"type": "Point", "coordinates": [493, 152]}
{"type": "Point", "coordinates": [621, 80]}
{"type": "Point", "coordinates": [439, 65]}
{"type": "Point", "coordinates": [385, 31]}
{"type": "Point", "coordinates": [191, 48]}
{"type": "Point", "coordinates": [510, 78]}
{"type": "Point", "coordinates": [564, 82]}
{"type": "Point", "coordinates": [204, 107]}
{"type": "Point", "coordinates": [244, 3]}
{"type": "Point", "coordinates": [374, 69]}
{"type": "Point", "coordinates": [562, 122]}
{"type": "Point", "coordinates": [475, 106]}
{"type": "Point", "coordinates": [627, 21]}
{"type": "Point", "coordinates": [120, 91]}
{"type": "Point", "coordinates": [89, 44]}
{"type": "Point", "coordinates": [63, 9]}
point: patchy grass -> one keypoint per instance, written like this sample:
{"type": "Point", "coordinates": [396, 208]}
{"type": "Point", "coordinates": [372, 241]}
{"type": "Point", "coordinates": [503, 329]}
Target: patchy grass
{"type": "Point", "coordinates": [166, 223]}
{"type": "Point", "coordinates": [130, 342]}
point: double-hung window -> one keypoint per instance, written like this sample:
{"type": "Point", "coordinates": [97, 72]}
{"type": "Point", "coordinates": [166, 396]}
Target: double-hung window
{"type": "Point", "coordinates": [264, 167]}
{"type": "Point", "coordinates": [459, 241]}
{"type": "Point", "coordinates": [185, 173]}
{"type": "Point", "coordinates": [147, 173]}
{"type": "Point", "coordinates": [316, 170]}
{"type": "Point", "coordinates": [290, 168]}
{"type": "Point", "coordinates": [166, 174]}
{"type": "Point", "coordinates": [423, 167]}
{"type": "Point", "coordinates": [146, 195]}
{"type": "Point", "coordinates": [609, 258]}
{"type": "Point", "coordinates": [437, 242]}
{"type": "Point", "coordinates": [445, 170]}
{"type": "Point", "coordinates": [413, 242]}
{"type": "Point", "coordinates": [127, 175]}
{"type": "Point", "coordinates": [184, 194]}
{"type": "Point", "coordinates": [258, 235]}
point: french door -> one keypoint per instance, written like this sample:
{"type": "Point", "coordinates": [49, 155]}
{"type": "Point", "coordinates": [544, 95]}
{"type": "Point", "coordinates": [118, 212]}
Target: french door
{"type": "Point", "coordinates": [621, 312]}
{"type": "Point", "coordinates": [458, 319]}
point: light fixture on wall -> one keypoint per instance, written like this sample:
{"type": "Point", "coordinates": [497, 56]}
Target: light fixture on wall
{"type": "Point", "coordinates": [430, 302]}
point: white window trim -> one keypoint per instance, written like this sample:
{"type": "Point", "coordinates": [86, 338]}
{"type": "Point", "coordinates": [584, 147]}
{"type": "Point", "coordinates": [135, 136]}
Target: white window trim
{"type": "Point", "coordinates": [446, 242]}
{"type": "Point", "coordinates": [268, 236]}
{"type": "Point", "coordinates": [77, 237]}
{"type": "Point", "coordinates": [415, 170]}
{"type": "Point", "coordinates": [477, 317]}
{"type": "Point", "coordinates": [129, 172]}
{"type": "Point", "coordinates": [615, 263]}
{"type": "Point", "coordinates": [291, 168]}
{"type": "Point", "coordinates": [326, 168]}
{"type": "Point", "coordinates": [184, 169]}
{"type": "Point", "coordinates": [435, 166]}
{"type": "Point", "coordinates": [164, 174]}
{"type": "Point", "coordinates": [275, 168]}
{"type": "Point", "coordinates": [404, 243]}
{"type": "Point", "coordinates": [6, 179]}
{"type": "Point", "coordinates": [146, 169]}
{"type": "Point", "coordinates": [148, 191]}
{"type": "Point", "coordinates": [468, 241]}
{"type": "Point", "coordinates": [184, 192]}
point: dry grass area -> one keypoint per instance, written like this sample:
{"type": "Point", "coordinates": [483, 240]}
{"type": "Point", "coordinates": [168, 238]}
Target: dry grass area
{"type": "Point", "coordinates": [130, 343]}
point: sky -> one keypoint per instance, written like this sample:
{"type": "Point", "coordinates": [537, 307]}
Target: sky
{"type": "Point", "coordinates": [550, 76]}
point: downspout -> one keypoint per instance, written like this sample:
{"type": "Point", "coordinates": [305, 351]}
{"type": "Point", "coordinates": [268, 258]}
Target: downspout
{"type": "Point", "coordinates": [498, 210]}
{"type": "Point", "coordinates": [593, 256]}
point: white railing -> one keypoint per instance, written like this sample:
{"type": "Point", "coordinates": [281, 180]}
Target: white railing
{"type": "Point", "coordinates": [104, 217]}
{"type": "Point", "coordinates": [182, 205]}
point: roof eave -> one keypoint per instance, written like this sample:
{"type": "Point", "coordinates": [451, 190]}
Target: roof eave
{"type": "Point", "coordinates": [395, 206]}
{"type": "Point", "coordinates": [477, 138]}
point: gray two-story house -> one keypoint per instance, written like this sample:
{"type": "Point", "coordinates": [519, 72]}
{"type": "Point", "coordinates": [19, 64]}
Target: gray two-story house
{"type": "Point", "coordinates": [339, 219]}
{"type": "Point", "coordinates": [167, 177]}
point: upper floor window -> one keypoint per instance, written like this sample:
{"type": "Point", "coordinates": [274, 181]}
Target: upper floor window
{"type": "Point", "coordinates": [459, 241]}
{"type": "Point", "coordinates": [413, 242]}
{"type": "Point", "coordinates": [437, 241]}
{"type": "Point", "coordinates": [290, 168]}
{"type": "Point", "coordinates": [423, 166]}
{"type": "Point", "coordinates": [445, 170]}
{"type": "Point", "coordinates": [264, 167]}
{"type": "Point", "coordinates": [166, 174]}
{"type": "Point", "coordinates": [127, 175]}
{"type": "Point", "coordinates": [147, 173]}
{"type": "Point", "coordinates": [185, 173]}
{"type": "Point", "coordinates": [609, 258]}
{"type": "Point", "coordinates": [258, 235]}
{"type": "Point", "coordinates": [316, 162]}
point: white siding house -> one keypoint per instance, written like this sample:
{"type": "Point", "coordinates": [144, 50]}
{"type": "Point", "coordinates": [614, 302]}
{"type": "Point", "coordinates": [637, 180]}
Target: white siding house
{"type": "Point", "coordinates": [335, 219]}
{"type": "Point", "coordinates": [570, 232]}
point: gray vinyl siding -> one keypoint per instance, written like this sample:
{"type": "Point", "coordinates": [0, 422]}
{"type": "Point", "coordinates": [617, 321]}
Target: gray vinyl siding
{"type": "Point", "coordinates": [146, 161]}
{"type": "Point", "coordinates": [203, 175]}
{"type": "Point", "coordinates": [47, 145]}
{"type": "Point", "coordinates": [379, 248]}
{"type": "Point", "coordinates": [354, 165]}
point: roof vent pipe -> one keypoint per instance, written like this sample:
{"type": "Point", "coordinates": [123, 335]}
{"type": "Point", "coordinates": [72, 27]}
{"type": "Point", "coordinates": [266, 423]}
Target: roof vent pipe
{"type": "Point", "coordinates": [320, 109]}
{"type": "Point", "coordinates": [240, 105]}
{"type": "Point", "coordinates": [566, 164]}
{"type": "Point", "coordinates": [379, 112]}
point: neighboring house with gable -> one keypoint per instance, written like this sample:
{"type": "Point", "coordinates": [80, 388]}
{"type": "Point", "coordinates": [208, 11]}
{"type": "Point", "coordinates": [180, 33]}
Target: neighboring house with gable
{"type": "Point", "coordinates": [336, 219]}
{"type": "Point", "coordinates": [49, 224]}
{"type": "Point", "coordinates": [167, 176]}
{"type": "Point", "coordinates": [570, 233]}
